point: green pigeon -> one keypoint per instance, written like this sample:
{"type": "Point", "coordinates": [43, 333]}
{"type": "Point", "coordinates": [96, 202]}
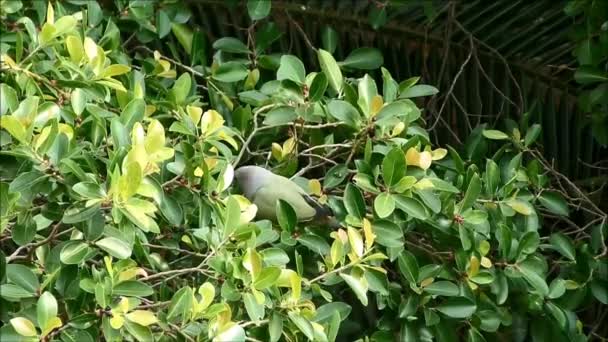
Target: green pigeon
{"type": "Point", "coordinates": [264, 188]}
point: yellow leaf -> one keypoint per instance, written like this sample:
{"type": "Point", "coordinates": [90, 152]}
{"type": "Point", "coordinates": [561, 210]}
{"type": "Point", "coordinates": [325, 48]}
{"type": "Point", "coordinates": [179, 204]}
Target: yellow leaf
{"type": "Point", "coordinates": [277, 151]}
{"type": "Point", "coordinates": [155, 138]}
{"type": "Point", "coordinates": [142, 317]}
{"type": "Point", "coordinates": [50, 14]}
{"type": "Point", "coordinates": [288, 146]}
{"type": "Point", "coordinates": [194, 113]}
{"type": "Point", "coordinates": [75, 48]}
{"type": "Point", "coordinates": [398, 129]}
{"type": "Point", "coordinates": [369, 234]}
{"type": "Point", "coordinates": [439, 153]}
{"type": "Point", "coordinates": [51, 324]}
{"type": "Point", "coordinates": [376, 105]}
{"type": "Point", "coordinates": [252, 263]}
{"type": "Point", "coordinates": [485, 262]}
{"type": "Point", "coordinates": [356, 242]}
{"type": "Point", "coordinates": [427, 282]}
{"type": "Point", "coordinates": [14, 127]}
{"type": "Point", "coordinates": [117, 321]}
{"type": "Point", "coordinates": [520, 207]}
{"type": "Point", "coordinates": [424, 183]}
{"type": "Point", "coordinates": [23, 326]}
{"type": "Point", "coordinates": [127, 274]}
{"type": "Point", "coordinates": [211, 122]}
{"type": "Point", "coordinates": [115, 70]}
{"type": "Point", "coordinates": [150, 109]}
{"type": "Point", "coordinates": [336, 252]}
{"type": "Point", "coordinates": [472, 285]}
{"type": "Point", "coordinates": [207, 292]}
{"type": "Point", "coordinates": [90, 49]}
{"type": "Point", "coordinates": [473, 266]}
{"type": "Point", "coordinates": [425, 160]}
{"type": "Point", "coordinates": [315, 187]}
{"type": "Point", "coordinates": [123, 305]}
{"type": "Point", "coordinates": [412, 156]}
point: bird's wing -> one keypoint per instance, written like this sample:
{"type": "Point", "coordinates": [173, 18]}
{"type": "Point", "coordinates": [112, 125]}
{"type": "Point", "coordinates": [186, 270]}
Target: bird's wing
{"type": "Point", "coordinates": [266, 198]}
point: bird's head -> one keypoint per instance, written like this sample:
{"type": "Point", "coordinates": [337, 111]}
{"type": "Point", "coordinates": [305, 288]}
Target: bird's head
{"type": "Point", "coordinates": [251, 178]}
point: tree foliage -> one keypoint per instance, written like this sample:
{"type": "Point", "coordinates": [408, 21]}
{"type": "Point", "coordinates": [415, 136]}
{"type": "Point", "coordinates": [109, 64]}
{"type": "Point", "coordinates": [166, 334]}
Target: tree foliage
{"type": "Point", "coordinates": [120, 219]}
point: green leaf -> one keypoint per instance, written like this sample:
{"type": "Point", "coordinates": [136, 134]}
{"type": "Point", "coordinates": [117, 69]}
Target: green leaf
{"type": "Point", "coordinates": [408, 266]}
{"type": "Point", "coordinates": [133, 112]}
{"type": "Point", "coordinates": [74, 252]}
{"type": "Point", "coordinates": [75, 215]}
{"type": "Point", "coordinates": [231, 332]}
{"type": "Point", "coordinates": [599, 289]}
{"type": "Point", "coordinates": [326, 311]}
{"type": "Point", "coordinates": [258, 9]}
{"type": "Point", "coordinates": [563, 245]}
{"type": "Point", "coordinates": [393, 167]}
{"type": "Point", "coordinates": [358, 285]}
{"type": "Point", "coordinates": [443, 288]}
{"type": "Point", "coordinates": [275, 327]}
{"type": "Point", "coordinates": [471, 195]}
{"type": "Point", "coordinates": [384, 204]}
{"type": "Point", "coordinates": [331, 70]}
{"type": "Point", "coordinates": [411, 206]}
{"type": "Point", "coordinates": [399, 109]}
{"type": "Point", "coordinates": [528, 244]}
{"type": "Point", "coordinates": [233, 216]}
{"type": "Point", "coordinates": [141, 333]}
{"type": "Point", "coordinates": [26, 180]}
{"type": "Point", "coordinates": [230, 44]}
{"type": "Point", "coordinates": [181, 304]}
{"type": "Point", "coordinates": [184, 36]}
{"type": "Point", "coordinates": [318, 87]}
{"type": "Point", "coordinates": [418, 91]}
{"type": "Point", "coordinates": [23, 277]}
{"type": "Point", "coordinates": [533, 278]}
{"type": "Point", "coordinates": [115, 247]}
{"type": "Point", "coordinates": [15, 128]}
{"type": "Point", "coordinates": [280, 115]}
{"type": "Point", "coordinates": [275, 257]}
{"type": "Point", "coordinates": [345, 112]}
{"type": "Point", "coordinates": [532, 134]}
{"type": "Point", "coordinates": [132, 288]}
{"type": "Point", "coordinates": [291, 68]}
{"type": "Point", "coordinates": [286, 216]}
{"type": "Point", "coordinates": [329, 39]}
{"type": "Point", "coordinates": [14, 293]}
{"type": "Point", "coordinates": [364, 58]}
{"type": "Point", "coordinates": [46, 308]}
{"type": "Point", "coordinates": [457, 308]}
{"type": "Point", "coordinates": [255, 310]}
{"type": "Point", "coordinates": [163, 23]}
{"type": "Point", "coordinates": [335, 176]}
{"type": "Point", "coordinates": [494, 134]}
{"type": "Point", "coordinates": [387, 233]}
{"type": "Point", "coordinates": [303, 325]}
{"type": "Point", "coordinates": [267, 277]}
{"type": "Point", "coordinates": [315, 243]}
{"type": "Point", "coordinates": [587, 74]}
{"type": "Point", "coordinates": [231, 72]}
{"type": "Point", "coordinates": [354, 201]}
{"type": "Point", "coordinates": [554, 202]}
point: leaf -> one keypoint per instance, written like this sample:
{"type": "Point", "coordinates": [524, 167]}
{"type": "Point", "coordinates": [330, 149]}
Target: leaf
{"type": "Point", "coordinates": [230, 44]}
{"type": "Point", "coordinates": [74, 252]}
{"type": "Point", "coordinates": [132, 113]}
{"type": "Point", "coordinates": [442, 288]}
{"type": "Point", "coordinates": [181, 304]}
{"type": "Point", "coordinates": [142, 317]}
{"type": "Point", "coordinates": [267, 278]}
{"type": "Point", "coordinates": [532, 134]}
{"type": "Point", "coordinates": [14, 127]}
{"type": "Point", "coordinates": [329, 38]}
{"type": "Point", "coordinates": [384, 204]}
{"type": "Point", "coordinates": [537, 282]}
{"type": "Point", "coordinates": [46, 309]}
{"type": "Point", "coordinates": [291, 68]}
{"type": "Point", "coordinates": [315, 243]}
{"type": "Point", "coordinates": [26, 180]}
{"type": "Point", "coordinates": [255, 310]}
{"type": "Point", "coordinates": [115, 247]}
{"type": "Point", "coordinates": [472, 194]}
{"type": "Point", "coordinates": [356, 241]}
{"type": "Point", "coordinates": [457, 308]}
{"type": "Point", "coordinates": [318, 87]}
{"type": "Point", "coordinates": [364, 58]}
{"type": "Point", "coordinates": [335, 176]}
{"type": "Point", "coordinates": [24, 326]}
{"type": "Point", "coordinates": [184, 36]}
{"type": "Point", "coordinates": [387, 233]}
{"type": "Point", "coordinates": [599, 289]}
{"type": "Point", "coordinates": [563, 245]}
{"type": "Point", "coordinates": [23, 277]}
{"type": "Point", "coordinates": [303, 325]}
{"type": "Point", "coordinates": [331, 69]}
{"type": "Point", "coordinates": [418, 91]}
{"type": "Point", "coordinates": [132, 288]}
{"type": "Point", "coordinates": [233, 216]}
{"type": "Point", "coordinates": [411, 206]}
{"type": "Point", "coordinates": [286, 215]}
{"type": "Point", "coordinates": [393, 167]}
{"type": "Point", "coordinates": [494, 134]}
{"type": "Point", "coordinates": [141, 333]}
{"type": "Point", "coordinates": [115, 70]}
{"type": "Point", "coordinates": [354, 201]}
{"type": "Point", "coordinates": [408, 266]}
{"type": "Point", "coordinates": [345, 112]}
{"type": "Point", "coordinates": [587, 74]}
{"type": "Point", "coordinates": [520, 206]}
{"type": "Point", "coordinates": [280, 115]}
{"type": "Point", "coordinates": [554, 202]}
{"type": "Point", "coordinates": [358, 285]}
{"type": "Point", "coordinates": [258, 9]}
{"type": "Point", "coordinates": [75, 215]}
{"type": "Point", "coordinates": [230, 72]}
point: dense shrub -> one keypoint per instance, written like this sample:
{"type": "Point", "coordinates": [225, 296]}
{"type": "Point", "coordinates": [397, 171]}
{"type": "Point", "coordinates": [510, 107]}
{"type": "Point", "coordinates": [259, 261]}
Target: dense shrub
{"type": "Point", "coordinates": [120, 219]}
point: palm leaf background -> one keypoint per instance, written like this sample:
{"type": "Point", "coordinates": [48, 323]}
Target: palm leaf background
{"type": "Point", "coordinates": [500, 59]}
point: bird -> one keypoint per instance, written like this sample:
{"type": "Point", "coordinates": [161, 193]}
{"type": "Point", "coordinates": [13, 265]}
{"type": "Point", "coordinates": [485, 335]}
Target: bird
{"type": "Point", "coordinates": [264, 188]}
